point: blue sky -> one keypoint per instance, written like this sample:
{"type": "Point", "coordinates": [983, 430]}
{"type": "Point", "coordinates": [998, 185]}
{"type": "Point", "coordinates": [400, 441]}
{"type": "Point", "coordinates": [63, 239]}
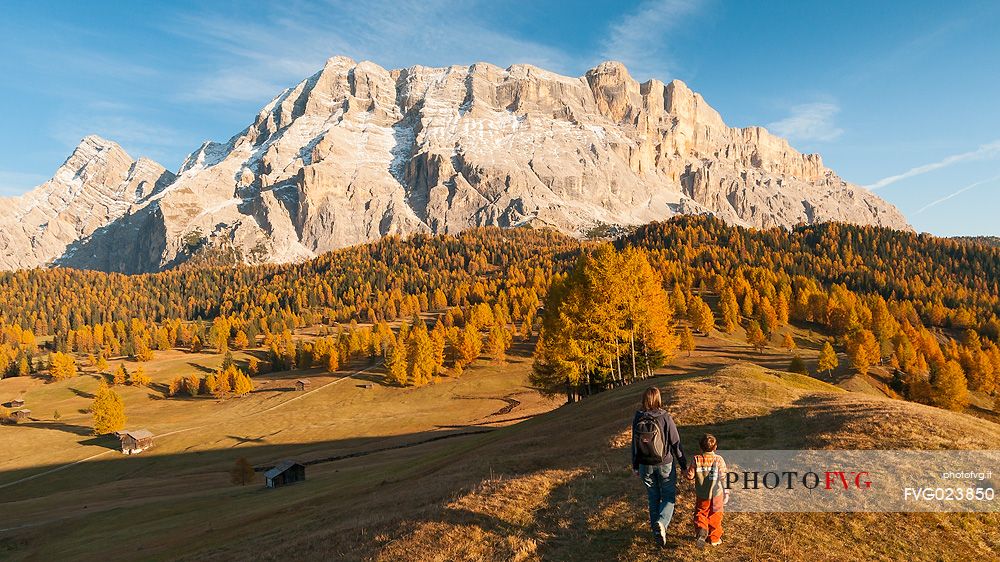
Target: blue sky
{"type": "Point", "coordinates": [900, 96]}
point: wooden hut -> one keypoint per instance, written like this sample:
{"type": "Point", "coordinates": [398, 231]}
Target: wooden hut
{"type": "Point", "coordinates": [20, 415]}
{"type": "Point", "coordinates": [284, 473]}
{"type": "Point", "coordinates": [16, 403]}
{"type": "Point", "coordinates": [301, 384]}
{"type": "Point", "coordinates": [135, 441]}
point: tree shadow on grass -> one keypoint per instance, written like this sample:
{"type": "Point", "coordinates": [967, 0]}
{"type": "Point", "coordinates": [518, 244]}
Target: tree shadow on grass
{"type": "Point", "coordinates": [201, 368]}
{"type": "Point", "coordinates": [106, 441]}
{"type": "Point", "coordinates": [82, 393]}
{"type": "Point", "coordinates": [522, 348]}
{"type": "Point", "coordinates": [162, 388]}
{"type": "Point", "coordinates": [242, 440]}
{"type": "Point", "coordinates": [984, 413]}
{"type": "Point", "coordinates": [275, 389]}
{"type": "Point", "coordinates": [374, 378]}
{"type": "Point", "coordinates": [57, 426]}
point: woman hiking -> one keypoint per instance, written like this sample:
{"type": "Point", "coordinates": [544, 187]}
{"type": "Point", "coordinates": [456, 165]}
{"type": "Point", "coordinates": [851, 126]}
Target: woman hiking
{"type": "Point", "coordinates": [655, 445]}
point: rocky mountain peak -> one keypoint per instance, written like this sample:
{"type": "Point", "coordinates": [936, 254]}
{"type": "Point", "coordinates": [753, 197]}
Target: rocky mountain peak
{"type": "Point", "coordinates": [95, 160]}
{"type": "Point", "coordinates": [97, 185]}
{"type": "Point", "coordinates": [356, 151]}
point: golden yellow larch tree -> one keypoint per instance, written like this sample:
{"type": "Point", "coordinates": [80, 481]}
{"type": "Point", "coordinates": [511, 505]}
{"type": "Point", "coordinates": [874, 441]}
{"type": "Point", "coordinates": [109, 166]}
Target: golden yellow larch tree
{"type": "Point", "coordinates": [242, 472]}
{"type": "Point", "coordinates": [863, 350]}
{"type": "Point", "coordinates": [62, 366]}
{"type": "Point", "coordinates": [243, 384]}
{"type": "Point", "coordinates": [219, 334]}
{"type": "Point", "coordinates": [176, 386]}
{"type": "Point", "coordinates": [827, 358]}
{"type": "Point", "coordinates": [497, 342]}
{"type": "Point", "coordinates": [420, 355]}
{"type": "Point", "coordinates": [767, 317]}
{"type": "Point", "coordinates": [755, 336]}
{"type": "Point", "coordinates": [108, 411]}
{"type": "Point", "coordinates": [687, 340]}
{"type": "Point", "coordinates": [332, 360]}
{"type": "Point", "coordinates": [730, 310]}
{"type": "Point", "coordinates": [138, 377]}
{"type": "Point", "coordinates": [395, 363]}
{"type": "Point", "coordinates": [650, 313]}
{"type": "Point", "coordinates": [439, 337]}
{"type": "Point", "coordinates": [192, 385]}
{"type": "Point", "coordinates": [788, 342]}
{"type": "Point", "coordinates": [948, 387]}
{"type": "Point", "coordinates": [120, 376]}
{"type": "Point", "coordinates": [700, 315]}
{"type": "Point", "coordinates": [470, 345]}
{"type": "Point", "coordinates": [240, 341]}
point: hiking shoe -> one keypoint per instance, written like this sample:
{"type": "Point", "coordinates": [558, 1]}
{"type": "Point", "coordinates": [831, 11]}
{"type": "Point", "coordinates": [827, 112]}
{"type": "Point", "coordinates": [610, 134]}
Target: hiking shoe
{"type": "Point", "coordinates": [660, 535]}
{"type": "Point", "coordinates": [701, 537]}
{"type": "Point", "coordinates": [716, 542]}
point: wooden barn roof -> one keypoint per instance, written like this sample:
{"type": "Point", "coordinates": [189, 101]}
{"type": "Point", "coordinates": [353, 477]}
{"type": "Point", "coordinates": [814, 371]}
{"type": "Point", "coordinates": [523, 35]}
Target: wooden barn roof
{"type": "Point", "coordinates": [280, 467]}
{"type": "Point", "coordinates": [136, 433]}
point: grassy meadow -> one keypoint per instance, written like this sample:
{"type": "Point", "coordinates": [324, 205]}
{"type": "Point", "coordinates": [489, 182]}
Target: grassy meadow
{"type": "Point", "coordinates": [547, 482]}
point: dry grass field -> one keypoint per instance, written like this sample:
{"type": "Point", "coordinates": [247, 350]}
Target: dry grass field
{"type": "Point", "coordinates": [543, 484]}
{"type": "Point", "coordinates": [199, 439]}
{"type": "Point", "coordinates": [580, 502]}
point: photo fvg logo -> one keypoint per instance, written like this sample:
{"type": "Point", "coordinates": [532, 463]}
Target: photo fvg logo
{"type": "Point", "coordinates": [789, 480]}
{"type": "Point", "coordinates": [839, 481]}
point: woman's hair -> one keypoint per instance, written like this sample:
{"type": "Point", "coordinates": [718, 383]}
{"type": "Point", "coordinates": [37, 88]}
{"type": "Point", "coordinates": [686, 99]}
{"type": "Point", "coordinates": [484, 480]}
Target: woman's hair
{"type": "Point", "coordinates": [708, 443]}
{"type": "Point", "coordinates": [651, 399]}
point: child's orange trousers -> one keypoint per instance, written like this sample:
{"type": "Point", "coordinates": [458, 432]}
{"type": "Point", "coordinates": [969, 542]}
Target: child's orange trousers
{"type": "Point", "coordinates": [705, 517]}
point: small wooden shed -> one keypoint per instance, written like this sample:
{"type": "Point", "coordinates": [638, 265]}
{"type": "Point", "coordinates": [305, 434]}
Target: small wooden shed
{"type": "Point", "coordinates": [301, 384]}
{"type": "Point", "coordinates": [284, 473]}
{"type": "Point", "coordinates": [17, 403]}
{"type": "Point", "coordinates": [135, 441]}
{"type": "Point", "coordinates": [20, 415]}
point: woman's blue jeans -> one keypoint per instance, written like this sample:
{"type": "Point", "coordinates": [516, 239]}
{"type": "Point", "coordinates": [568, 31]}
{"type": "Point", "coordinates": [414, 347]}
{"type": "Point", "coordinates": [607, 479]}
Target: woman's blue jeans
{"type": "Point", "coordinates": [661, 487]}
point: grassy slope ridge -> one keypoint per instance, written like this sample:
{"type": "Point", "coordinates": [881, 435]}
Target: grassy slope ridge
{"type": "Point", "coordinates": [552, 487]}
{"type": "Point", "coordinates": [557, 487]}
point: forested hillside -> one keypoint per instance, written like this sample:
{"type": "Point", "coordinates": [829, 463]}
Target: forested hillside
{"type": "Point", "coordinates": [924, 307]}
{"type": "Point", "coordinates": [986, 240]}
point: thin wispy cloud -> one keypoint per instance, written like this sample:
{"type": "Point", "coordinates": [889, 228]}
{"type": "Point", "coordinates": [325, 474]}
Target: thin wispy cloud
{"type": "Point", "coordinates": [639, 38]}
{"type": "Point", "coordinates": [15, 183]}
{"type": "Point", "coordinates": [255, 61]}
{"type": "Point", "coordinates": [137, 136]}
{"type": "Point", "coordinates": [75, 61]}
{"type": "Point", "coordinates": [984, 152]}
{"type": "Point", "coordinates": [953, 194]}
{"type": "Point", "coordinates": [227, 86]}
{"type": "Point", "coordinates": [809, 122]}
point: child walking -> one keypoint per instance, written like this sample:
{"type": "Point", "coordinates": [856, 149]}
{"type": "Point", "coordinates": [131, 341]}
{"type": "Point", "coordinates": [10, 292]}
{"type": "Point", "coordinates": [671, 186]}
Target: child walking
{"type": "Point", "coordinates": [708, 470]}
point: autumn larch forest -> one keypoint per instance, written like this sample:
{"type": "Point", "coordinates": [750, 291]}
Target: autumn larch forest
{"type": "Point", "coordinates": [600, 313]}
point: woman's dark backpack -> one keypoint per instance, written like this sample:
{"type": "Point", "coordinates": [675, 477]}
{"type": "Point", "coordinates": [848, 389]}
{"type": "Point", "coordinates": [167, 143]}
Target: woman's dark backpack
{"type": "Point", "coordinates": [648, 440]}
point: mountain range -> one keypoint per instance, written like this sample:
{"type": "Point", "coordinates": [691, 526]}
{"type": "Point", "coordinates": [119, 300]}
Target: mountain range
{"type": "Point", "coordinates": [356, 152]}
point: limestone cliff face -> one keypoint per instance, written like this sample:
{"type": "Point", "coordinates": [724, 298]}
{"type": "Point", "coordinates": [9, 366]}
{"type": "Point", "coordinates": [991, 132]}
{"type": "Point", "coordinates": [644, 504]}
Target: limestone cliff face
{"type": "Point", "coordinates": [356, 152]}
{"type": "Point", "coordinates": [97, 185]}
